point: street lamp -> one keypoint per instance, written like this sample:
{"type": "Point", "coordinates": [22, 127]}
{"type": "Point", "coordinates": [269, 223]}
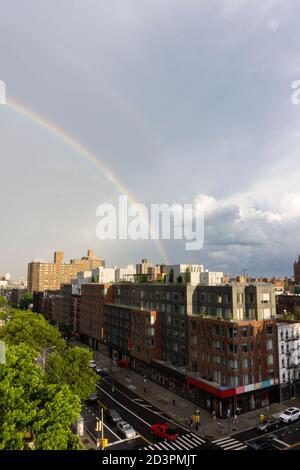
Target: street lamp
{"type": "Point", "coordinates": [44, 356]}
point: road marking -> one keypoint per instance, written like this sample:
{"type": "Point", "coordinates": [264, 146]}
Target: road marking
{"type": "Point", "coordinates": [137, 399]}
{"type": "Point", "coordinates": [183, 444]}
{"type": "Point", "coordinates": [125, 440]}
{"type": "Point", "coordinates": [169, 445]}
{"type": "Point", "coordinates": [241, 448]}
{"type": "Point", "coordinates": [202, 441]}
{"type": "Point", "coordinates": [220, 440]}
{"type": "Point", "coordinates": [176, 445]}
{"type": "Point", "coordinates": [163, 445]}
{"type": "Point", "coordinates": [292, 445]}
{"type": "Point", "coordinates": [120, 404]}
{"type": "Point", "coordinates": [281, 442]}
{"type": "Point", "coordinates": [151, 411]}
{"type": "Point", "coordinates": [187, 441]}
{"type": "Point", "coordinates": [235, 446]}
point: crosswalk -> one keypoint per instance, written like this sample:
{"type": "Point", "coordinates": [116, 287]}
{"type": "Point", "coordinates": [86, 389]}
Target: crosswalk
{"type": "Point", "coordinates": [229, 443]}
{"type": "Point", "coordinates": [183, 442]}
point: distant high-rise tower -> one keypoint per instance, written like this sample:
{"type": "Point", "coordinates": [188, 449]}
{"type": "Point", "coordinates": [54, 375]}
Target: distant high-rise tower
{"type": "Point", "coordinates": [297, 270]}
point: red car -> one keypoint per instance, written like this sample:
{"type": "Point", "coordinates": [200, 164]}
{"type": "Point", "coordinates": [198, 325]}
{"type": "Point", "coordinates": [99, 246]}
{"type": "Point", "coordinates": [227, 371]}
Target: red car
{"type": "Point", "coordinates": [164, 431]}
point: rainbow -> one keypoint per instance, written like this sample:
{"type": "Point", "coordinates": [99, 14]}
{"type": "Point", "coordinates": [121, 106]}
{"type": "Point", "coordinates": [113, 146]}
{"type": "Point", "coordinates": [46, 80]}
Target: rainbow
{"type": "Point", "coordinates": [83, 151]}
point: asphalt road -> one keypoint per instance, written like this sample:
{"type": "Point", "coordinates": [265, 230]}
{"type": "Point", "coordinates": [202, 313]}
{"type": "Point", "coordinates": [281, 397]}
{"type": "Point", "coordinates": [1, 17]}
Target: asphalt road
{"type": "Point", "coordinates": [286, 437]}
{"type": "Point", "coordinates": [141, 415]}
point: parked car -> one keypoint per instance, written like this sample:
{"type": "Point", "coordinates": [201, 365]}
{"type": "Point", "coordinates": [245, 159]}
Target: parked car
{"type": "Point", "coordinates": [113, 416]}
{"type": "Point", "coordinates": [164, 431]}
{"type": "Point", "coordinates": [98, 369]}
{"type": "Point", "coordinates": [261, 444]}
{"type": "Point", "coordinates": [269, 425]}
{"type": "Point", "coordinates": [92, 364]}
{"type": "Point", "coordinates": [126, 429]}
{"type": "Point", "coordinates": [290, 414]}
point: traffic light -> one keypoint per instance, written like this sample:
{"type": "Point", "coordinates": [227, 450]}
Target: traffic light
{"type": "Point", "coordinates": [98, 426]}
{"type": "Point", "coordinates": [104, 443]}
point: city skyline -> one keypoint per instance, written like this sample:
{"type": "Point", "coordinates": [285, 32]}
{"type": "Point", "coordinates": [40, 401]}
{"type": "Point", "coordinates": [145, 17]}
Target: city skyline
{"type": "Point", "coordinates": [167, 102]}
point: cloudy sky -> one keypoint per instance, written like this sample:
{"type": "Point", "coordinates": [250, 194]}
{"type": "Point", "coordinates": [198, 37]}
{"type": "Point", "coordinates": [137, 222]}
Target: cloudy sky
{"type": "Point", "coordinates": [182, 100]}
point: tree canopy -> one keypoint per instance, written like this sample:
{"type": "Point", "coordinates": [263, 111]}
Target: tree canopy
{"type": "Point", "coordinates": [71, 367]}
{"type": "Point", "coordinates": [40, 404]}
{"type": "Point", "coordinates": [29, 404]}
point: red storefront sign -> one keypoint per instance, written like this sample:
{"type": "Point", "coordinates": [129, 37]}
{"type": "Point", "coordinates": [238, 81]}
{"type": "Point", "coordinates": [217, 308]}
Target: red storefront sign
{"type": "Point", "coordinates": [231, 392]}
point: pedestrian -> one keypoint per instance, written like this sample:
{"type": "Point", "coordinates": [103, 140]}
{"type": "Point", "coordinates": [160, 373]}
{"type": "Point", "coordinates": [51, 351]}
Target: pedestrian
{"type": "Point", "coordinates": [174, 402]}
{"type": "Point", "coordinates": [213, 417]}
{"type": "Point", "coordinates": [235, 419]}
{"type": "Point", "coordinates": [186, 421]}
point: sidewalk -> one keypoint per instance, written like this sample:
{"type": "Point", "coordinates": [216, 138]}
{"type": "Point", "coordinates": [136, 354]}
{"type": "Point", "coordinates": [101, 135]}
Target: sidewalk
{"type": "Point", "coordinates": [163, 399]}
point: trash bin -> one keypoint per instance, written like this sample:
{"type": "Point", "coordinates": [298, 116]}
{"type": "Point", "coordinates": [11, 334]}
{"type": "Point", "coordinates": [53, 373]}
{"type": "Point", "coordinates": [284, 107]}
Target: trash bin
{"type": "Point", "coordinates": [262, 418]}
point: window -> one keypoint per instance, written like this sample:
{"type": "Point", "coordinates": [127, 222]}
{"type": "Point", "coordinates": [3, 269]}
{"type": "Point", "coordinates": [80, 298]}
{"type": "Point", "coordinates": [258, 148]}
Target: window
{"type": "Point", "coordinates": [269, 329]}
{"type": "Point", "coordinates": [270, 359]}
{"type": "Point", "coordinates": [233, 364]}
{"type": "Point", "coordinates": [233, 381]}
{"type": "Point", "coordinates": [244, 347]}
{"type": "Point", "coordinates": [269, 344]}
{"type": "Point", "coordinates": [193, 339]}
{"type": "Point", "coordinates": [245, 363]}
{"type": "Point", "coordinates": [194, 353]}
{"type": "Point", "coordinates": [246, 379]}
{"type": "Point", "coordinates": [265, 297]}
{"type": "Point", "coordinates": [193, 325]}
{"type": "Point", "coordinates": [271, 374]}
{"type": "Point", "coordinates": [232, 348]}
{"type": "Point", "coordinates": [217, 376]}
{"type": "Point", "coordinates": [244, 331]}
{"type": "Point", "coordinates": [232, 332]}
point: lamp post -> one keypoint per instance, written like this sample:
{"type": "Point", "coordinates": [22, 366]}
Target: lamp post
{"type": "Point", "coordinates": [44, 356]}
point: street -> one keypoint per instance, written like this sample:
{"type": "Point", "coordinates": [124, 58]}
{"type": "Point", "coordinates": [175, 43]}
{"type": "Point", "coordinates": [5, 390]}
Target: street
{"type": "Point", "coordinates": [141, 415]}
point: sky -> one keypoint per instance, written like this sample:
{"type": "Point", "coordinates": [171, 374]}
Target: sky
{"type": "Point", "coordinates": [184, 101]}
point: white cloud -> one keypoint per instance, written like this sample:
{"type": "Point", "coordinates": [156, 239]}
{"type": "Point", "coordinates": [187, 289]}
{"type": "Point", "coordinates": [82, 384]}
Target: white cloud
{"type": "Point", "coordinates": [273, 25]}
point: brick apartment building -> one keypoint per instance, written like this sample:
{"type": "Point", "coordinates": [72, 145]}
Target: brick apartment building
{"type": "Point", "coordinates": [215, 345]}
{"type": "Point", "coordinates": [132, 334]}
{"type": "Point", "coordinates": [91, 321]}
{"type": "Point", "coordinates": [50, 276]}
{"type": "Point", "coordinates": [232, 364]}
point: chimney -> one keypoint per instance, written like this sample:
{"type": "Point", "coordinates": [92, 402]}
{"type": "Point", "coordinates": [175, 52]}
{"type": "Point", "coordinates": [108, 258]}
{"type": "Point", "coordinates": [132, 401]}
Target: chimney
{"type": "Point", "coordinates": [90, 254]}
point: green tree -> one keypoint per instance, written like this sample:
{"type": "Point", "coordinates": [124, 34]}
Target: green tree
{"type": "Point", "coordinates": [3, 301]}
{"type": "Point", "coordinates": [32, 329]}
{"type": "Point", "coordinates": [71, 367]}
{"type": "Point", "coordinates": [26, 300]}
{"type": "Point", "coordinates": [27, 403]}
{"type": "Point", "coordinates": [171, 276]}
{"type": "Point", "coordinates": [58, 409]}
{"type": "Point", "coordinates": [179, 280]}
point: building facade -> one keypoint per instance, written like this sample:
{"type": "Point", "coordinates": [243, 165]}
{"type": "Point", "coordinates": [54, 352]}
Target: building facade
{"type": "Point", "coordinates": [50, 276]}
{"type": "Point", "coordinates": [288, 336]}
